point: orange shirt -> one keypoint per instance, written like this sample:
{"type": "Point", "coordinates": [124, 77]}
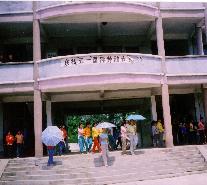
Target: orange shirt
{"type": "Point", "coordinates": [9, 139]}
{"type": "Point", "coordinates": [87, 132]}
{"type": "Point", "coordinates": [64, 132]}
{"type": "Point", "coordinates": [19, 138]}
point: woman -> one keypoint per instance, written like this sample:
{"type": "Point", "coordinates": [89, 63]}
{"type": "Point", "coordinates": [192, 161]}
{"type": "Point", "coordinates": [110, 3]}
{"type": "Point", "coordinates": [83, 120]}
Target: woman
{"type": "Point", "coordinates": [81, 140]}
{"type": "Point", "coordinates": [104, 145]}
{"type": "Point", "coordinates": [123, 137]}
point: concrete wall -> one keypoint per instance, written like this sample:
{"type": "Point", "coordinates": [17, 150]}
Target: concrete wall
{"type": "Point", "coordinates": [16, 72]}
{"type": "Point", "coordinates": [15, 6]}
{"type": "Point", "coordinates": [1, 127]}
{"type": "Point", "coordinates": [55, 67]}
{"type": "Point", "coordinates": [186, 65]}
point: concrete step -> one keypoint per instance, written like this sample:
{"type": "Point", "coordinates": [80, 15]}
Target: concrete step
{"type": "Point", "coordinates": [62, 174]}
{"type": "Point", "coordinates": [105, 179]}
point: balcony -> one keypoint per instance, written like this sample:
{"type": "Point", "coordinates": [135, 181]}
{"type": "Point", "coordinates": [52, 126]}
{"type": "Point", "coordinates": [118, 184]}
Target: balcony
{"type": "Point", "coordinates": [16, 77]}
{"type": "Point", "coordinates": [102, 71]}
{"type": "Point", "coordinates": [187, 69]}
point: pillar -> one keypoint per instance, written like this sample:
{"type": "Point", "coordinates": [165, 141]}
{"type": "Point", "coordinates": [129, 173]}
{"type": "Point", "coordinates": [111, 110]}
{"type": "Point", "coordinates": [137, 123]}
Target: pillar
{"type": "Point", "coordinates": [167, 116]}
{"type": "Point", "coordinates": [37, 92]}
{"type": "Point", "coordinates": [153, 108]}
{"type": "Point", "coordinates": [1, 128]}
{"type": "Point", "coordinates": [205, 103]}
{"type": "Point", "coordinates": [199, 106]}
{"type": "Point", "coordinates": [190, 46]}
{"type": "Point", "coordinates": [199, 40]}
{"type": "Point", "coordinates": [48, 113]}
{"type": "Point", "coordinates": [165, 93]}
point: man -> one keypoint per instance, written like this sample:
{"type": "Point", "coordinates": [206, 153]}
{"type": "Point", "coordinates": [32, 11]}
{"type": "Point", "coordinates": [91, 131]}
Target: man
{"type": "Point", "coordinates": [20, 141]}
{"type": "Point", "coordinates": [9, 143]}
{"type": "Point", "coordinates": [87, 136]}
{"type": "Point", "coordinates": [95, 136]}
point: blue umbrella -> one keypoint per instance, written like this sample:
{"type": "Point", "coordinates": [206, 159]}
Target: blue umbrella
{"type": "Point", "coordinates": [51, 136]}
{"type": "Point", "coordinates": [135, 117]}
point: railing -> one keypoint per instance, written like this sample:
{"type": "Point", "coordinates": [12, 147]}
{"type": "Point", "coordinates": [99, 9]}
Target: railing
{"type": "Point", "coordinates": [13, 73]}
{"type": "Point", "coordinates": [99, 64]}
{"type": "Point", "coordinates": [186, 65]}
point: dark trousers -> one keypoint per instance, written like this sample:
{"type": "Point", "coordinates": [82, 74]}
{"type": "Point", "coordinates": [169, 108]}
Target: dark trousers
{"type": "Point", "coordinates": [51, 153]}
{"type": "Point", "coordinates": [19, 149]}
{"type": "Point", "coordinates": [10, 151]}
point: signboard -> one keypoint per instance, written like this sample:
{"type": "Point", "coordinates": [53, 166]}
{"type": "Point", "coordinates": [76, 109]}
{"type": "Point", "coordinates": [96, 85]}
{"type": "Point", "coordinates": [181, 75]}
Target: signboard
{"type": "Point", "coordinates": [100, 59]}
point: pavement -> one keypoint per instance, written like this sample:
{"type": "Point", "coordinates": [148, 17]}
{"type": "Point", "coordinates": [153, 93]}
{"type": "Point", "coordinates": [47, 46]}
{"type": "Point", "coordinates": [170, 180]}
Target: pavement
{"type": "Point", "coordinates": [3, 163]}
{"type": "Point", "coordinates": [195, 179]}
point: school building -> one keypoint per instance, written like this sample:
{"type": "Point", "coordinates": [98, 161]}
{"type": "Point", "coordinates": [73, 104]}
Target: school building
{"type": "Point", "coordinates": [93, 56]}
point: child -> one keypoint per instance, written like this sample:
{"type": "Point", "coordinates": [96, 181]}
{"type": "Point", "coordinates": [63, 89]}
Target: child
{"type": "Point", "coordinates": [51, 152]}
{"type": "Point", "coordinates": [104, 145]}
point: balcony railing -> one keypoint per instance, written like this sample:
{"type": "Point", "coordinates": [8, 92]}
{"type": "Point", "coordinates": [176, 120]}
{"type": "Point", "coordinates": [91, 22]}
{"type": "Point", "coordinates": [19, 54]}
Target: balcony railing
{"type": "Point", "coordinates": [103, 64]}
{"type": "Point", "coordinates": [14, 73]}
{"type": "Point", "coordinates": [99, 64]}
{"type": "Point", "coordinates": [186, 65]}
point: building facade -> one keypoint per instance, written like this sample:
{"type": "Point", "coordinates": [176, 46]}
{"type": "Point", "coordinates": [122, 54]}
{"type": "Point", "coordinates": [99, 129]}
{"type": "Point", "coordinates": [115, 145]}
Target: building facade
{"type": "Point", "coordinates": [94, 51]}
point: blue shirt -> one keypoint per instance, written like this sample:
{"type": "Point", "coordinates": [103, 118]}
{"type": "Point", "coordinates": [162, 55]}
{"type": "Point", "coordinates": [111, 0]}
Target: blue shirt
{"type": "Point", "coordinates": [104, 139]}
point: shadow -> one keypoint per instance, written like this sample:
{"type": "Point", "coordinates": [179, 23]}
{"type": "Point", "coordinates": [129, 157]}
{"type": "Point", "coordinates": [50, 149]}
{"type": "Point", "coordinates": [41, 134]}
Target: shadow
{"type": "Point", "coordinates": [98, 161]}
{"type": "Point", "coordinates": [56, 163]}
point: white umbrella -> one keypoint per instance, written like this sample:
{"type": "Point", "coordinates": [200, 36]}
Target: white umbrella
{"type": "Point", "coordinates": [105, 125]}
{"type": "Point", "coordinates": [51, 136]}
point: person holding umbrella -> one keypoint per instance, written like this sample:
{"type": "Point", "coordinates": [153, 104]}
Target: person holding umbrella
{"type": "Point", "coordinates": [104, 145]}
{"type": "Point", "coordinates": [103, 137]}
{"type": "Point", "coordinates": [51, 136]}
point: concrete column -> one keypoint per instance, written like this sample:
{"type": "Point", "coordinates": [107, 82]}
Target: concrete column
{"type": "Point", "coordinates": [167, 116]}
{"type": "Point", "coordinates": [190, 46]}
{"type": "Point", "coordinates": [199, 40]}
{"type": "Point", "coordinates": [165, 94]}
{"type": "Point", "coordinates": [1, 128]}
{"type": "Point", "coordinates": [37, 92]}
{"type": "Point", "coordinates": [205, 102]}
{"type": "Point", "coordinates": [199, 106]}
{"type": "Point", "coordinates": [48, 112]}
{"type": "Point", "coordinates": [153, 108]}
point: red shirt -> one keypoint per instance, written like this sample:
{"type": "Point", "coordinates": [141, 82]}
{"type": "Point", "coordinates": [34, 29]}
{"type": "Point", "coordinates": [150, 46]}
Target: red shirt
{"type": "Point", "coordinates": [9, 139]}
{"type": "Point", "coordinates": [50, 147]}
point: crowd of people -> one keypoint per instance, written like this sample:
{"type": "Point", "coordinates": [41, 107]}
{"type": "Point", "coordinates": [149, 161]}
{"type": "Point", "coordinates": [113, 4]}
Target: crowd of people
{"type": "Point", "coordinates": [191, 132]}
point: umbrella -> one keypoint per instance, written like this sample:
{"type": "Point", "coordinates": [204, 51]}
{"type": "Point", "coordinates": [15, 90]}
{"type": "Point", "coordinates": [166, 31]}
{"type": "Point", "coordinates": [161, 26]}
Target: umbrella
{"type": "Point", "coordinates": [51, 136]}
{"type": "Point", "coordinates": [135, 117]}
{"type": "Point", "coordinates": [105, 125]}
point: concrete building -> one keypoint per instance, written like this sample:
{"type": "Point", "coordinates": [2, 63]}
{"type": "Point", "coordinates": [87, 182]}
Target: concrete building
{"type": "Point", "coordinates": [95, 51]}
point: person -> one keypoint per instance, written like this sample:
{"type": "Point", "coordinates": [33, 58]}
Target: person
{"type": "Point", "coordinates": [124, 137]}
{"type": "Point", "coordinates": [10, 144]}
{"type": "Point", "coordinates": [87, 137]}
{"type": "Point", "coordinates": [60, 147]}
{"type": "Point", "coordinates": [112, 142]}
{"type": "Point", "coordinates": [201, 129]}
{"type": "Point", "coordinates": [65, 137]}
{"type": "Point", "coordinates": [161, 132]}
{"type": "Point", "coordinates": [155, 134]}
{"type": "Point", "coordinates": [20, 141]}
{"type": "Point", "coordinates": [51, 152]}
{"type": "Point", "coordinates": [191, 133]}
{"type": "Point", "coordinates": [119, 138]}
{"type": "Point", "coordinates": [131, 129]}
{"type": "Point", "coordinates": [104, 146]}
{"type": "Point", "coordinates": [81, 140]}
{"type": "Point", "coordinates": [95, 136]}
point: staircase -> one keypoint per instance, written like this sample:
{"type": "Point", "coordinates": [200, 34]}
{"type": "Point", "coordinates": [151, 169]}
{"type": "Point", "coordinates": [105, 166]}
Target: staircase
{"type": "Point", "coordinates": [87, 168]}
